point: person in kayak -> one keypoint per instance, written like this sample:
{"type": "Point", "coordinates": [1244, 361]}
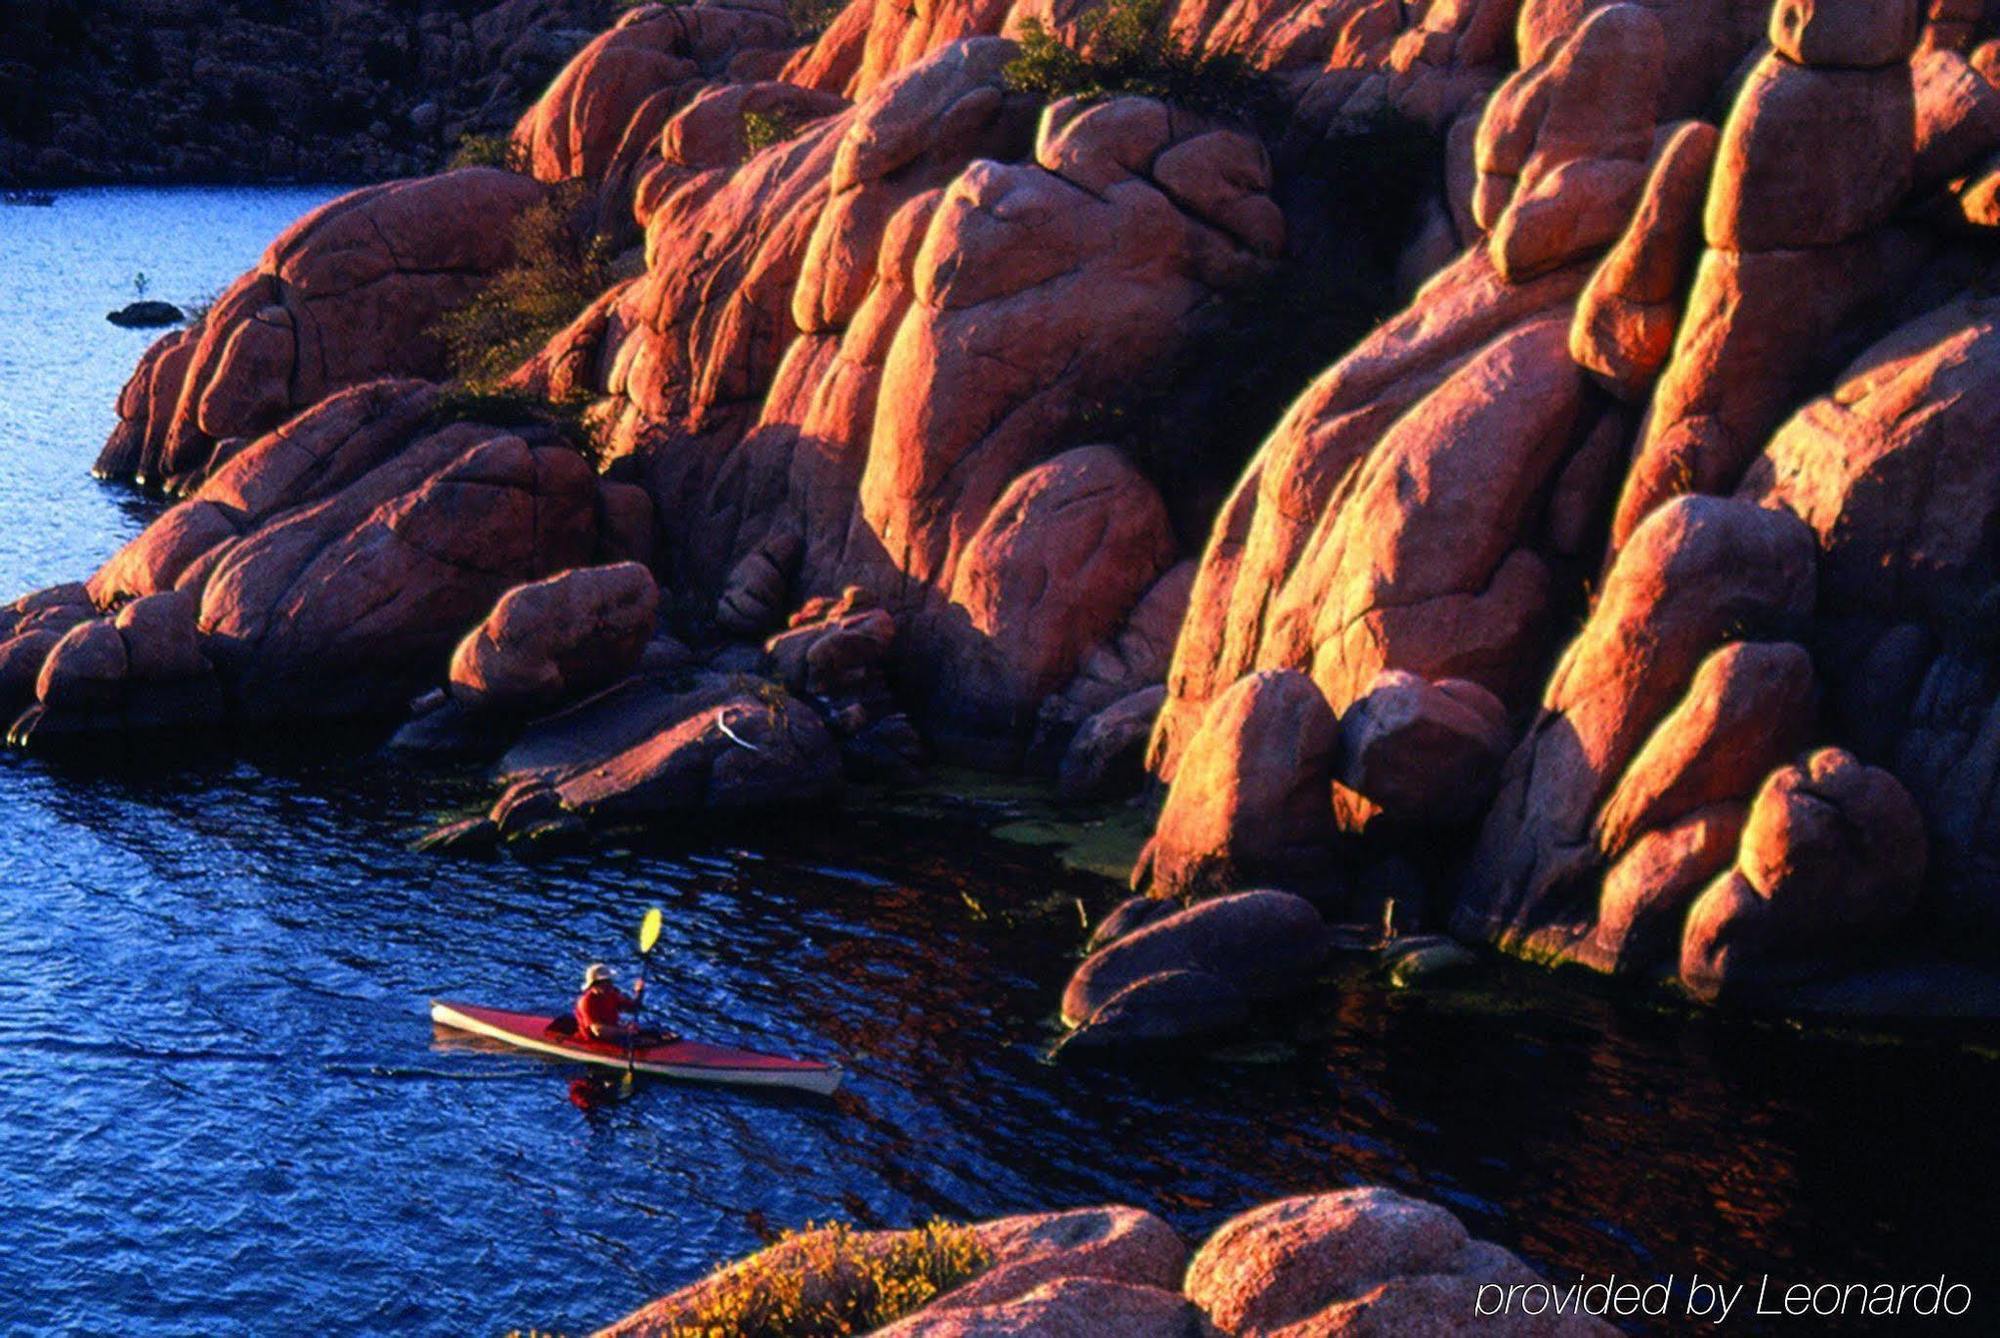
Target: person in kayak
{"type": "Point", "coordinates": [601, 1008]}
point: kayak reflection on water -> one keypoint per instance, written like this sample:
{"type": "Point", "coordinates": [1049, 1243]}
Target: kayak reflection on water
{"type": "Point", "coordinates": [591, 1092]}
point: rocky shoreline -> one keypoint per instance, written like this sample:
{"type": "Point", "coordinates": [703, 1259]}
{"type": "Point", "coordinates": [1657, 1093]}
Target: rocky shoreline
{"type": "Point", "coordinates": [1354, 1261]}
{"type": "Point", "coordinates": [1619, 600]}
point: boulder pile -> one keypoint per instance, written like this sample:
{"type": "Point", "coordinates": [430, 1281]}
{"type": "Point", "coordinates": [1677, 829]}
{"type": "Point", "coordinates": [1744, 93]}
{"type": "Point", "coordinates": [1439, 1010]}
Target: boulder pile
{"type": "Point", "coordinates": [1350, 1262]}
{"type": "Point", "coordinates": [1623, 595]}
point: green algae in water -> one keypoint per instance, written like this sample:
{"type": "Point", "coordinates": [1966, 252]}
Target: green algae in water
{"type": "Point", "coordinates": [1099, 840]}
{"type": "Point", "coordinates": [1107, 847]}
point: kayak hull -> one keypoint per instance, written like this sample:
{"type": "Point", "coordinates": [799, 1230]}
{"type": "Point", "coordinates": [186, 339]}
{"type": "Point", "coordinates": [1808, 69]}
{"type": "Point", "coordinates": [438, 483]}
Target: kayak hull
{"type": "Point", "coordinates": [688, 1061]}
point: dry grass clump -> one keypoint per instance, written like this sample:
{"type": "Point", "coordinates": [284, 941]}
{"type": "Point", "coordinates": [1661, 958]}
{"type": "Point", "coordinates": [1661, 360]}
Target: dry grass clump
{"type": "Point", "coordinates": [832, 1280]}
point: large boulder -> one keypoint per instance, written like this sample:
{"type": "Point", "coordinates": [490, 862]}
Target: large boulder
{"type": "Point", "coordinates": [743, 755]}
{"type": "Point", "coordinates": [1050, 575]}
{"type": "Point", "coordinates": [644, 753]}
{"type": "Point", "coordinates": [1845, 32]}
{"type": "Point", "coordinates": [1672, 822]}
{"type": "Point", "coordinates": [1425, 754]}
{"type": "Point", "coordinates": [602, 118]}
{"type": "Point", "coordinates": [1892, 474]}
{"type": "Point", "coordinates": [859, 358]}
{"type": "Point", "coordinates": [86, 668]}
{"type": "Point", "coordinates": [304, 460]}
{"type": "Point", "coordinates": [348, 294]}
{"type": "Point", "coordinates": [332, 564]}
{"type": "Point", "coordinates": [1352, 1261]}
{"type": "Point", "coordinates": [1432, 562]}
{"type": "Point", "coordinates": [1252, 800]}
{"type": "Point", "coordinates": [557, 638]}
{"type": "Point", "coordinates": [1757, 324]}
{"type": "Point", "coordinates": [1060, 1272]}
{"type": "Point", "coordinates": [346, 607]}
{"type": "Point", "coordinates": [1811, 163]}
{"type": "Point", "coordinates": [1164, 1006]}
{"type": "Point", "coordinates": [1811, 157]}
{"type": "Point", "coordinates": [1359, 1261]}
{"type": "Point", "coordinates": [1114, 1244]}
{"type": "Point", "coordinates": [1561, 150]}
{"type": "Point", "coordinates": [140, 670]}
{"type": "Point", "coordinates": [1130, 663]}
{"type": "Point", "coordinates": [1958, 116]}
{"type": "Point", "coordinates": [1625, 320]}
{"type": "Point", "coordinates": [1831, 862]}
{"type": "Point", "coordinates": [1263, 943]}
{"type": "Point", "coordinates": [1106, 758]}
{"type": "Point", "coordinates": [1064, 1308]}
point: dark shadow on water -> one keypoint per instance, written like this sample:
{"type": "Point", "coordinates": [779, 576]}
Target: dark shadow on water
{"type": "Point", "coordinates": [1589, 1129]}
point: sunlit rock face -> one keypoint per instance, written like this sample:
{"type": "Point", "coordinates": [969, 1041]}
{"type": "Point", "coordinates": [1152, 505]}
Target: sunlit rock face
{"type": "Point", "coordinates": [857, 359]}
{"type": "Point", "coordinates": [1712, 601]}
{"type": "Point", "coordinates": [330, 566]}
{"type": "Point", "coordinates": [1626, 574]}
{"type": "Point", "coordinates": [346, 295]}
{"type": "Point", "coordinates": [867, 342]}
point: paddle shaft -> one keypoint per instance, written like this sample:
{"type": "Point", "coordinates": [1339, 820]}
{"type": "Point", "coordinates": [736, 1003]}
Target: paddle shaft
{"type": "Point", "coordinates": [638, 998]}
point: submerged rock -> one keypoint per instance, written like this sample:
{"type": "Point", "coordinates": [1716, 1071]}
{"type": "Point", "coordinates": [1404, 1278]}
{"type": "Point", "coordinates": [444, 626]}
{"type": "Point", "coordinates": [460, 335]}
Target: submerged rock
{"type": "Point", "coordinates": [1162, 1006]}
{"type": "Point", "coordinates": [144, 314]}
{"type": "Point", "coordinates": [642, 752]}
{"type": "Point", "coordinates": [1129, 916]}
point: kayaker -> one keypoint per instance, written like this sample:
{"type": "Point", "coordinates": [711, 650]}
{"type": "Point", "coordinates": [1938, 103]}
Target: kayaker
{"type": "Point", "coordinates": [602, 1005]}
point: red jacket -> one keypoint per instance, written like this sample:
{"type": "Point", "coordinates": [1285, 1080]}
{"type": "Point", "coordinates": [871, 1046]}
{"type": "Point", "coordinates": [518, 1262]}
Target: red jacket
{"type": "Point", "coordinates": [601, 1006]}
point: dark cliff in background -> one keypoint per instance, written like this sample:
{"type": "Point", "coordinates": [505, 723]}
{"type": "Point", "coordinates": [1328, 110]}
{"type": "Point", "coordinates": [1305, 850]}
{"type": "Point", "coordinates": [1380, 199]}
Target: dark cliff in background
{"type": "Point", "coordinates": [252, 90]}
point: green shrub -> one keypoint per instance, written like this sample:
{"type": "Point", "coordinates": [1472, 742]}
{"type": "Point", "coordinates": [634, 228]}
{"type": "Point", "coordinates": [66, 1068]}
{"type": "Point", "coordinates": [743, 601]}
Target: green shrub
{"type": "Point", "coordinates": [1124, 49]}
{"type": "Point", "coordinates": [568, 420]}
{"type": "Point", "coordinates": [555, 274]}
{"type": "Point", "coordinates": [763, 129]}
{"type": "Point", "coordinates": [489, 151]}
{"type": "Point", "coordinates": [810, 18]}
{"type": "Point", "coordinates": [823, 1282]}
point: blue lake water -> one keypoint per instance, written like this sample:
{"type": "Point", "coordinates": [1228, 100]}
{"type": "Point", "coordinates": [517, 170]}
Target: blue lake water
{"type": "Point", "coordinates": [223, 1108]}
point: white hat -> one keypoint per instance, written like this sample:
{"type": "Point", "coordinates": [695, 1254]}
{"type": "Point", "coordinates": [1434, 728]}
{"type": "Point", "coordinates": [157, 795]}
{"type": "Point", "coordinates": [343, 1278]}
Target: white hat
{"type": "Point", "coordinates": [595, 972]}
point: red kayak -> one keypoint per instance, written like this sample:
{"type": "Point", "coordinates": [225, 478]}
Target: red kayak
{"type": "Point", "coordinates": [690, 1060]}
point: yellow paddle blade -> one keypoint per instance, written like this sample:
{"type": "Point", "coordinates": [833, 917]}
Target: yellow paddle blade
{"type": "Point", "coordinates": [649, 930]}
